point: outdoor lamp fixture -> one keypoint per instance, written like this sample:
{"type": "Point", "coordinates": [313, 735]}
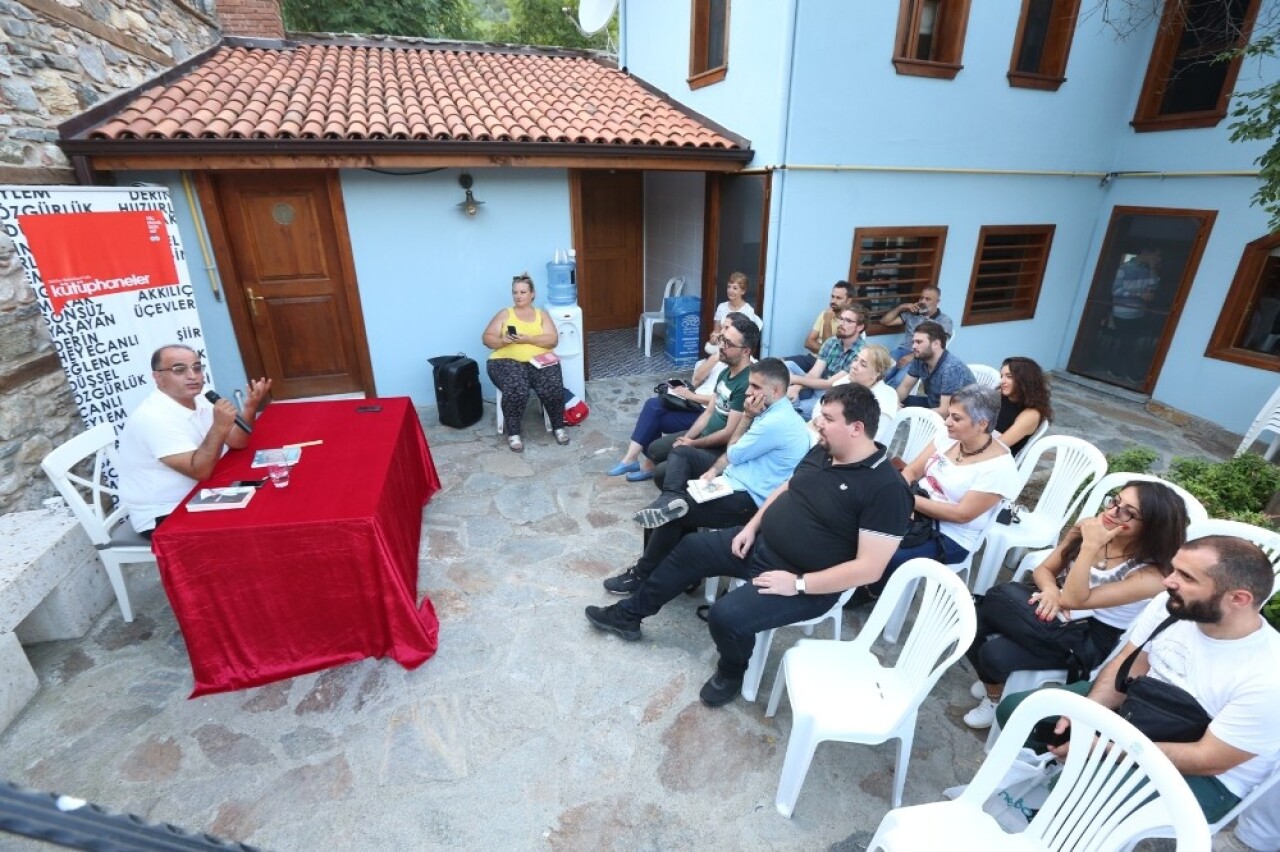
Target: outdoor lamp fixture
{"type": "Point", "coordinates": [468, 205]}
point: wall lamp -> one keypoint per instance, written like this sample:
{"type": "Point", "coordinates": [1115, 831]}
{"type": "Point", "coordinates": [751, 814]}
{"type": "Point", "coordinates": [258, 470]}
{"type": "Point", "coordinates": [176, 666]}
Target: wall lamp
{"type": "Point", "coordinates": [468, 205]}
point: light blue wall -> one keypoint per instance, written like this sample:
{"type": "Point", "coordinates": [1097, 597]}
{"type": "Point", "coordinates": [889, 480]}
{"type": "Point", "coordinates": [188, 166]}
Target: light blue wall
{"type": "Point", "coordinates": [748, 101]}
{"type": "Point", "coordinates": [430, 277]}
{"type": "Point", "coordinates": [220, 340]}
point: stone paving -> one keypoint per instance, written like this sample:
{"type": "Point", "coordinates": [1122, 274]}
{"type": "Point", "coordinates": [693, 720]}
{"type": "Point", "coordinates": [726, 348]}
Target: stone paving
{"type": "Point", "coordinates": [528, 730]}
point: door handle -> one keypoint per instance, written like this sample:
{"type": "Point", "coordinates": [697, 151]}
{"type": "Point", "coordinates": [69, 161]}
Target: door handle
{"type": "Point", "coordinates": [253, 308]}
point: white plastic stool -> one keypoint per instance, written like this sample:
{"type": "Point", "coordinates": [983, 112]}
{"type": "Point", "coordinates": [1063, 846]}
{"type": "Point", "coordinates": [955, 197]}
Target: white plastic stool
{"type": "Point", "coordinates": [546, 418]}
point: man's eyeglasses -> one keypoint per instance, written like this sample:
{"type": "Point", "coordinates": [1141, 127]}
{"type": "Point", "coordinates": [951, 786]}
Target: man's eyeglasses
{"type": "Point", "coordinates": [1123, 512]}
{"type": "Point", "coordinates": [181, 369]}
{"type": "Point", "coordinates": [726, 343]}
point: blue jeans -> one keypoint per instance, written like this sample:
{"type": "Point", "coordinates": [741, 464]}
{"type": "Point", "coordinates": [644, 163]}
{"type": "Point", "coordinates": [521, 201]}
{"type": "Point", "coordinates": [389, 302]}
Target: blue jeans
{"type": "Point", "coordinates": [950, 554]}
{"type": "Point", "coordinates": [807, 399]}
{"type": "Point", "coordinates": [736, 618]}
{"type": "Point", "coordinates": [896, 374]}
{"type": "Point", "coordinates": [656, 420]}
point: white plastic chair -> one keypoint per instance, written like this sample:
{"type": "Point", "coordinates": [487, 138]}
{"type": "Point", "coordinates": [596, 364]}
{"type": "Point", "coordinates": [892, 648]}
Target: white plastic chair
{"type": "Point", "coordinates": [96, 506]}
{"type": "Point", "coordinates": [764, 641]}
{"type": "Point", "coordinates": [1256, 793]}
{"type": "Point", "coordinates": [1268, 540]}
{"type": "Point", "coordinates": [923, 425]}
{"type": "Point", "coordinates": [1076, 463]}
{"type": "Point", "coordinates": [499, 419]}
{"type": "Point", "coordinates": [840, 690]}
{"type": "Point", "coordinates": [1268, 420]}
{"type": "Point", "coordinates": [649, 319]}
{"type": "Point", "coordinates": [988, 377]}
{"type": "Point", "coordinates": [1035, 436]}
{"type": "Point", "coordinates": [1109, 794]}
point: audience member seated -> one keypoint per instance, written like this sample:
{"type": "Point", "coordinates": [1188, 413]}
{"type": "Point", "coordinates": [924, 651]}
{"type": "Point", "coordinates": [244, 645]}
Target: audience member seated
{"type": "Point", "coordinates": [868, 369]}
{"type": "Point", "coordinates": [936, 370]}
{"type": "Point", "coordinates": [909, 315]}
{"type": "Point", "coordinates": [517, 335]}
{"type": "Point", "coordinates": [657, 418]}
{"type": "Point", "coordinates": [833, 358]}
{"type": "Point", "coordinates": [1206, 637]}
{"type": "Point", "coordinates": [959, 481]}
{"type": "Point", "coordinates": [1082, 597]}
{"type": "Point", "coordinates": [175, 436]}
{"type": "Point", "coordinates": [768, 443]}
{"type": "Point", "coordinates": [832, 526]}
{"type": "Point", "coordinates": [1024, 402]}
{"type": "Point", "coordinates": [824, 326]}
{"type": "Point", "coordinates": [710, 433]}
{"type": "Point", "coordinates": [736, 290]}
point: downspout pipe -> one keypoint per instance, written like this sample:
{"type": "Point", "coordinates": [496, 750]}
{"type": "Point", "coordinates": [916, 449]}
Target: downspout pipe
{"type": "Point", "coordinates": [778, 192]}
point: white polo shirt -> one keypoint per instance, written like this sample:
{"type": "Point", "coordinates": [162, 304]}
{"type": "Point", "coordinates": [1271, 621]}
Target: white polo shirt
{"type": "Point", "coordinates": [157, 428]}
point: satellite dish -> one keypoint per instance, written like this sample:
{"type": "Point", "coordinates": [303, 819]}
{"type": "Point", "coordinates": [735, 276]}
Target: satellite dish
{"type": "Point", "coordinates": [594, 15]}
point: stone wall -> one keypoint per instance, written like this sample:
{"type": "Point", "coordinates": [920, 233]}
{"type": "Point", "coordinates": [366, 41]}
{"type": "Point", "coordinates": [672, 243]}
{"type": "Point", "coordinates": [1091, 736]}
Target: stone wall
{"type": "Point", "coordinates": [57, 59]}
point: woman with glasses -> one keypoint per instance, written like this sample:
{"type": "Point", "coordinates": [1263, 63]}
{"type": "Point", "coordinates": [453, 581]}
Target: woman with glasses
{"type": "Point", "coordinates": [657, 418]}
{"type": "Point", "coordinates": [517, 335]}
{"type": "Point", "coordinates": [1082, 597]}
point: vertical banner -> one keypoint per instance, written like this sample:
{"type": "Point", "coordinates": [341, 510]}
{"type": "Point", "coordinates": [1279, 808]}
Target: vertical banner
{"type": "Point", "coordinates": [111, 280]}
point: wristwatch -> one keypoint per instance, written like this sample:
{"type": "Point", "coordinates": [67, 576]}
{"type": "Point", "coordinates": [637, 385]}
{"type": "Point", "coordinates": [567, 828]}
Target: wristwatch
{"type": "Point", "coordinates": [799, 585]}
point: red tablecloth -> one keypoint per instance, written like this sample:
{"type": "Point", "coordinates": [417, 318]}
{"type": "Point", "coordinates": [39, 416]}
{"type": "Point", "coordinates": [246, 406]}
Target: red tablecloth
{"type": "Point", "coordinates": [318, 574]}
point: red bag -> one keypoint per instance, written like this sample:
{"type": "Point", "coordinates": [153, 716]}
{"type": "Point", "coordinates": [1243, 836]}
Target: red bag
{"type": "Point", "coordinates": [575, 410]}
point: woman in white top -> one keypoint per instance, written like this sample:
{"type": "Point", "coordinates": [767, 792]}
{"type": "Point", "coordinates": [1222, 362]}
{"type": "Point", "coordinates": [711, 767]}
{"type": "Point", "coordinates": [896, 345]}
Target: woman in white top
{"type": "Point", "coordinates": [867, 369]}
{"type": "Point", "coordinates": [959, 481]}
{"type": "Point", "coordinates": [1083, 596]}
{"type": "Point", "coordinates": [736, 290]}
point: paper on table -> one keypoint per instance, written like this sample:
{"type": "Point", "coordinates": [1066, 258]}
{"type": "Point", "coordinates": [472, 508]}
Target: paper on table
{"type": "Point", "coordinates": [291, 455]}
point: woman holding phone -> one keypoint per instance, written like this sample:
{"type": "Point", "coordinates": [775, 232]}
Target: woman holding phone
{"type": "Point", "coordinates": [517, 335]}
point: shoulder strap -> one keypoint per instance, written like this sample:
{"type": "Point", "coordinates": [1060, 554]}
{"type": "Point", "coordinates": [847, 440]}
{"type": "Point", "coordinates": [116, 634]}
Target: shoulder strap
{"type": "Point", "coordinates": [1122, 674]}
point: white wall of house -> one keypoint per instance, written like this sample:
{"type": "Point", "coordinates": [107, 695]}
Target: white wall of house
{"type": "Point", "coordinates": [673, 227]}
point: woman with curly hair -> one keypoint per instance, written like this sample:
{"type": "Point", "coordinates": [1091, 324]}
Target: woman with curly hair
{"type": "Point", "coordinates": [1024, 402]}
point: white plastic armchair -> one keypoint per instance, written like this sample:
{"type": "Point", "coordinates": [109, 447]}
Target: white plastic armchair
{"type": "Point", "coordinates": [841, 691]}
{"type": "Point", "coordinates": [1076, 464]}
{"type": "Point", "coordinates": [1035, 436]}
{"type": "Point", "coordinates": [96, 507]}
{"type": "Point", "coordinates": [1268, 540]}
{"type": "Point", "coordinates": [1268, 420]}
{"type": "Point", "coordinates": [988, 377]}
{"type": "Point", "coordinates": [649, 319]}
{"type": "Point", "coordinates": [1111, 792]}
{"type": "Point", "coordinates": [922, 426]}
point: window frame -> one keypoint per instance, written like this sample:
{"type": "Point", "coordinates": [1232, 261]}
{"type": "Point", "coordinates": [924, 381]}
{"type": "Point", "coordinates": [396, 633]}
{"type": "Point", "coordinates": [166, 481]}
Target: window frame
{"type": "Point", "coordinates": [1169, 32]}
{"type": "Point", "coordinates": [936, 232]}
{"type": "Point", "coordinates": [950, 28]}
{"type": "Point", "coordinates": [1037, 273]}
{"type": "Point", "coordinates": [1234, 318]}
{"type": "Point", "coordinates": [700, 46]}
{"type": "Point", "coordinates": [1053, 60]}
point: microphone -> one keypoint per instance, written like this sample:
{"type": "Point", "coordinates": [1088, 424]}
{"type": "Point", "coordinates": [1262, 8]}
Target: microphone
{"type": "Point", "coordinates": [213, 397]}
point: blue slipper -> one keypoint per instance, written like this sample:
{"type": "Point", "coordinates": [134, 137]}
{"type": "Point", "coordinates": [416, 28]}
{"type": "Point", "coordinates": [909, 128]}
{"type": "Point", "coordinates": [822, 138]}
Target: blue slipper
{"type": "Point", "coordinates": [639, 475]}
{"type": "Point", "coordinates": [624, 467]}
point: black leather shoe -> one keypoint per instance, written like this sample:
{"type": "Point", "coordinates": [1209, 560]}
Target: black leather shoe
{"type": "Point", "coordinates": [720, 690]}
{"type": "Point", "coordinates": [612, 619]}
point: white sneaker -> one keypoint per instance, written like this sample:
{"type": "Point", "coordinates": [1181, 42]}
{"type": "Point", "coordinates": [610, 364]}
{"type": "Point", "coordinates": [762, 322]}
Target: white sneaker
{"type": "Point", "coordinates": [1226, 841]}
{"type": "Point", "coordinates": [982, 716]}
{"type": "Point", "coordinates": [978, 690]}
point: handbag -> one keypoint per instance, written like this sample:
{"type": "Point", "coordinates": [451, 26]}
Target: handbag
{"type": "Point", "coordinates": [921, 528]}
{"type": "Point", "coordinates": [1163, 712]}
{"type": "Point", "coordinates": [1005, 609]}
{"type": "Point", "coordinates": [1022, 791]}
{"type": "Point", "coordinates": [676, 403]}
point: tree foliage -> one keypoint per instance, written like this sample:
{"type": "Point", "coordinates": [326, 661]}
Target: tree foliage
{"type": "Point", "coordinates": [447, 19]}
{"type": "Point", "coordinates": [1257, 119]}
{"type": "Point", "coordinates": [546, 22]}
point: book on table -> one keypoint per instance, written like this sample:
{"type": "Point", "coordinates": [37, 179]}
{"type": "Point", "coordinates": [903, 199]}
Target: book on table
{"type": "Point", "coordinates": [214, 499]}
{"type": "Point", "coordinates": [546, 359]}
{"type": "Point", "coordinates": [702, 490]}
{"type": "Point", "coordinates": [291, 455]}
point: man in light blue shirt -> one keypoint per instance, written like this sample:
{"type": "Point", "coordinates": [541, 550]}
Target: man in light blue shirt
{"type": "Point", "coordinates": [769, 441]}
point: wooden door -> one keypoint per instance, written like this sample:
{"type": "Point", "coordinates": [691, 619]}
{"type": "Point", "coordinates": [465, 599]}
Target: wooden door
{"type": "Point", "coordinates": [283, 252]}
{"type": "Point", "coordinates": [608, 231]}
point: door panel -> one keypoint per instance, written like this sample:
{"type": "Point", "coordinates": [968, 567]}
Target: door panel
{"type": "Point", "coordinates": [609, 230]}
{"type": "Point", "coordinates": [290, 286]}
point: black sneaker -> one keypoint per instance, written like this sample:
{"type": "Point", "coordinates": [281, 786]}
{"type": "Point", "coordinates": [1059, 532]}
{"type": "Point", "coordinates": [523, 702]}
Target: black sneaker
{"type": "Point", "coordinates": [720, 690]}
{"type": "Point", "coordinates": [615, 621]}
{"type": "Point", "coordinates": [661, 512]}
{"type": "Point", "coordinates": [625, 583]}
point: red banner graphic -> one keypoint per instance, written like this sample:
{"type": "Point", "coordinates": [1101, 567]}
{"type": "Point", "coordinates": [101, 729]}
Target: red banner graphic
{"type": "Point", "coordinates": [87, 255]}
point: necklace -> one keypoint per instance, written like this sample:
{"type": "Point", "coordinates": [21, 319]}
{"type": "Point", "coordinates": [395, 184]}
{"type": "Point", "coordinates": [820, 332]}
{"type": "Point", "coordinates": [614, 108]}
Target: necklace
{"type": "Point", "coordinates": [1106, 555]}
{"type": "Point", "coordinates": [962, 453]}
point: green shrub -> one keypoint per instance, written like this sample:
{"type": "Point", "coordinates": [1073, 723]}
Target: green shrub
{"type": "Point", "coordinates": [1132, 460]}
{"type": "Point", "coordinates": [1238, 488]}
{"type": "Point", "coordinates": [1271, 612]}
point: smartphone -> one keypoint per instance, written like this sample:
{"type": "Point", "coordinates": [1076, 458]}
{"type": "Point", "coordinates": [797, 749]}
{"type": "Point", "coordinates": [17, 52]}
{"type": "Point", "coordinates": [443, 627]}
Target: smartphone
{"type": "Point", "coordinates": [675, 383]}
{"type": "Point", "coordinates": [1043, 732]}
{"type": "Point", "coordinates": [248, 483]}
{"type": "Point", "coordinates": [366, 409]}
{"type": "Point", "coordinates": [511, 331]}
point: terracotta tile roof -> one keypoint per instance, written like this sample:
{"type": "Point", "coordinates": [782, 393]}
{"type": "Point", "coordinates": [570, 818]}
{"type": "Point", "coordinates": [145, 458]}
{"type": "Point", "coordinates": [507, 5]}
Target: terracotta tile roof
{"type": "Point", "coordinates": [355, 92]}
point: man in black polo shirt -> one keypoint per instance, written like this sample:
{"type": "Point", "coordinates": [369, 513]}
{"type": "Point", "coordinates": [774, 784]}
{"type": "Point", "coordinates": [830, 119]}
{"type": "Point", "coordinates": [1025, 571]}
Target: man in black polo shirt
{"type": "Point", "coordinates": [832, 526]}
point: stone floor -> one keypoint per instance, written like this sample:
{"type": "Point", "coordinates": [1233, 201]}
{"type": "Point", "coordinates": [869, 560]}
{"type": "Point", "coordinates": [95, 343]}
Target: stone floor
{"type": "Point", "coordinates": [528, 730]}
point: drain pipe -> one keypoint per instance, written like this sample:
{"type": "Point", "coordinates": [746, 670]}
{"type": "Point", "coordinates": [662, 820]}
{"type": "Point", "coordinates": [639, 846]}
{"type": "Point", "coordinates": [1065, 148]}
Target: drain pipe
{"type": "Point", "coordinates": [778, 193]}
{"type": "Point", "coordinates": [198, 223]}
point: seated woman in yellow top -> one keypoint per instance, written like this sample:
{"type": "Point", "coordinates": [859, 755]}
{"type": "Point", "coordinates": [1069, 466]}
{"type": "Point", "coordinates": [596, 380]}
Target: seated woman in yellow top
{"type": "Point", "coordinates": [517, 334]}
